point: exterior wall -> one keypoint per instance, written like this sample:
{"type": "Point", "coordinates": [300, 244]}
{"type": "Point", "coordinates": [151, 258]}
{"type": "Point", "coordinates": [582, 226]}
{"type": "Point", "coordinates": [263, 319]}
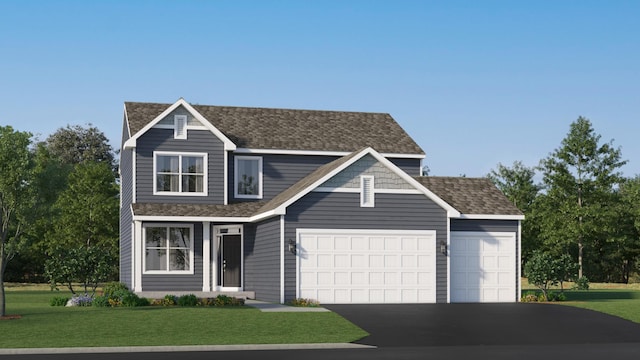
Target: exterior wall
{"type": "Point", "coordinates": [126, 193]}
{"type": "Point", "coordinates": [279, 172]}
{"type": "Point", "coordinates": [484, 225]}
{"type": "Point", "coordinates": [320, 210]}
{"type": "Point", "coordinates": [179, 282]}
{"type": "Point", "coordinates": [197, 141]}
{"type": "Point", "coordinates": [262, 259]}
{"type": "Point", "coordinates": [367, 165]}
{"type": "Point", "coordinates": [410, 166]}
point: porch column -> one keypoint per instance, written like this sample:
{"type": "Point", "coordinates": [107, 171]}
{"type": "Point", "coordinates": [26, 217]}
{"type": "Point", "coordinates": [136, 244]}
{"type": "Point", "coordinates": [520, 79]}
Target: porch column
{"type": "Point", "coordinates": [206, 256]}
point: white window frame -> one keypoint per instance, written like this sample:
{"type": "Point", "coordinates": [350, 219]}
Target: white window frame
{"type": "Point", "coordinates": [367, 191]}
{"type": "Point", "coordinates": [180, 155]}
{"type": "Point", "coordinates": [236, 177]}
{"type": "Point", "coordinates": [168, 226]}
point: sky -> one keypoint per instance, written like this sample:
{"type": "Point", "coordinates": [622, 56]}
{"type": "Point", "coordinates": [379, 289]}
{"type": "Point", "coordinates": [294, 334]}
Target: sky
{"type": "Point", "coordinates": [475, 83]}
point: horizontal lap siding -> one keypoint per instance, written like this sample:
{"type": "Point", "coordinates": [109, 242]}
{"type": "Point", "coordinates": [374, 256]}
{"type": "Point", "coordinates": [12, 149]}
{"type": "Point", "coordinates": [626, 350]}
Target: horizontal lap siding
{"type": "Point", "coordinates": [179, 282]}
{"type": "Point", "coordinates": [197, 141]}
{"type": "Point", "coordinates": [262, 259]}
{"type": "Point", "coordinates": [126, 193]}
{"type": "Point", "coordinates": [343, 211]}
{"type": "Point", "coordinates": [410, 166]}
{"type": "Point", "coordinates": [484, 225]}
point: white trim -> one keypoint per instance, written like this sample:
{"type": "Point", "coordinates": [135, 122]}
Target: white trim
{"type": "Point", "coordinates": [138, 255]}
{"type": "Point", "coordinates": [193, 218]}
{"type": "Point", "coordinates": [367, 191]}
{"type": "Point", "coordinates": [490, 217]}
{"type": "Point", "coordinates": [132, 239]}
{"type": "Point", "coordinates": [180, 127]}
{"type": "Point", "coordinates": [319, 152]}
{"type": "Point", "coordinates": [206, 256]}
{"type": "Point", "coordinates": [451, 212]}
{"type": "Point", "coordinates": [282, 262]}
{"type": "Point", "coordinates": [191, 270]}
{"type": "Point", "coordinates": [134, 153]}
{"type": "Point", "coordinates": [519, 262]}
{"type": "Point", "coordinates": [235, 177]}
{"type": "Point", "coordinates": [225, 182]}
{"type": "Point", "coordinates": [228, 144]}
{"type": "Point", "coordinates": [448, 260]}
{"type": "Point", "coordinates": [180, 155]}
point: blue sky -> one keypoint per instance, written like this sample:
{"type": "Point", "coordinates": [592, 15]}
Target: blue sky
{"type": "Point", "coordinates": [474, 82]}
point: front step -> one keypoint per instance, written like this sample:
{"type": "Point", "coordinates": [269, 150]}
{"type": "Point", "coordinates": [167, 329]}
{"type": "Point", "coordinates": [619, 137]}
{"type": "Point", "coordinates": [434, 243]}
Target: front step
{"type": "Point", "coordinates": [200, 294]}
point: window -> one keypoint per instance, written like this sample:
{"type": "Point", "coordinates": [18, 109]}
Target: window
{"type": "Point", "coordinates": [248, 177]}
{"type": "Point", "coordinates": [180, 174]}
{"type": "Point", "coordinates": [367, 195]}
{"type": "Point", "coordinates": [168, 249]}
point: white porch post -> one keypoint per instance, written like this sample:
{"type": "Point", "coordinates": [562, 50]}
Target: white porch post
{"type": "Point", "coordinates": [137, 243]}
{"type": "Point", "coordinates": [206, 256]}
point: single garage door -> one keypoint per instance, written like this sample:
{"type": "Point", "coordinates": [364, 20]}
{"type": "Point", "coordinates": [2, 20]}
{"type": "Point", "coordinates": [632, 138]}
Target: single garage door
{"type": "Point", "coordinates": [483, 266]}
{"type": "Point", "coordinates": [358, 266]}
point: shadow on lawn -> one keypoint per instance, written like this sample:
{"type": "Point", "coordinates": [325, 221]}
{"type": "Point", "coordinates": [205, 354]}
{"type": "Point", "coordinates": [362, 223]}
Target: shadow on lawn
{"type": "Point", "coordinates": [599, 295]}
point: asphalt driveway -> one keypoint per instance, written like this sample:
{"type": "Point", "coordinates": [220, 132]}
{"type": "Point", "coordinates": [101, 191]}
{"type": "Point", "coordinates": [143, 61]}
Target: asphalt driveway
{"type": "Point", "coordinates": [485, 324]}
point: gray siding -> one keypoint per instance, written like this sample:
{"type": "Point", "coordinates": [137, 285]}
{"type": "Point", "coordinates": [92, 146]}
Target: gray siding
{"type": "Point", "coordinates": [262, 259]}
{"type": "Point", "coordinates": [484, 225]}
{"type": "Point", "coordinates": [197, 141]}
{"type": "Point", "coordinates": [188, 282]}
{"type": "Point", "coordinates": [279, 172]}
{"type": "Point", "coordinates": [126, 193]}
{"type": "Point", "coordinates": [410, 166]}
{"type": "Point", "coordinates": [343, 211]}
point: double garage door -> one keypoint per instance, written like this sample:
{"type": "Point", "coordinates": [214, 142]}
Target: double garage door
{"type": "Point", "coordinates": [359, 266]}
{"type": "Point", "coordinates": [356, 266]}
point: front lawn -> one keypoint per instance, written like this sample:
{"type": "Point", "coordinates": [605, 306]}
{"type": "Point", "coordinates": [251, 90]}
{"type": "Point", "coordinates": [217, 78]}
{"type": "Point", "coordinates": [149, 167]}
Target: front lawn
{"type": "Point", "coordinates": [617, 302]}
{"type": "Point", "coordinates": [42, 325]}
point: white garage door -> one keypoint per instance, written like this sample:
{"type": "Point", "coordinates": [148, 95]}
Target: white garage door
{"type": "Point", "coordinates": [483, 266]}
{"type": "Point", "coordinates": [356, 266]}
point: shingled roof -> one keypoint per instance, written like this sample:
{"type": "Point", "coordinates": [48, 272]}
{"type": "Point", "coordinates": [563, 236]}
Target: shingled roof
{"type": "Point", "coordinates": [470, 196]}
{"type": "Point", "coordinates": [287, 129]}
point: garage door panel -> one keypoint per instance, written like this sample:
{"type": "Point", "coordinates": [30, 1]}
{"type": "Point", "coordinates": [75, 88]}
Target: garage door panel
{"type": "Point", "coordinates": [483, 267]}
{"type": "Point", "coordinates": [366, 267]}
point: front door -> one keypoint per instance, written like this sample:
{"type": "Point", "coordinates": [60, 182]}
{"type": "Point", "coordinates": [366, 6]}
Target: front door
{"type": "Point", "coordinates": [231, 250]}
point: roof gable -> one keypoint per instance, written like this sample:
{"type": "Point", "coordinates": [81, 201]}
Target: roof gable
{"type": "Point", "coordinates": [136, 115]}
{"type": "Point", "coordinates": [287, 129]}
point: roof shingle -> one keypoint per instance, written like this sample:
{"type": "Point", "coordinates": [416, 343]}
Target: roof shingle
{"type": "Point", "coordinates": [288, 129]}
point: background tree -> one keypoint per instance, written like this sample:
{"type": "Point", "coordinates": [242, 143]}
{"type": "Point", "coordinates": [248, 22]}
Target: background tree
{"type": "Point", "coordinates": [517, 183]}
{"type": "Point", "coordinates": [76, 144]}
{"type": "Point", "coordinates": [579, 180]}
{"type": "Point", "coordinates": [16, 197]}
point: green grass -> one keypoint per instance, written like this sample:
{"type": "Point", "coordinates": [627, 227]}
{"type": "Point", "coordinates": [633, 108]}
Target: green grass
{"type": "Point", "coordinates": [617, 302]}
{"type": "Point", "coordinates": [42, 325]}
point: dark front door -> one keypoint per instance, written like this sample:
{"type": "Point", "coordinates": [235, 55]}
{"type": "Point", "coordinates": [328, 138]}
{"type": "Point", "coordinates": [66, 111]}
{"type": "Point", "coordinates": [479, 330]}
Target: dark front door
{"type": "Point", "coordinates": [231, 260]}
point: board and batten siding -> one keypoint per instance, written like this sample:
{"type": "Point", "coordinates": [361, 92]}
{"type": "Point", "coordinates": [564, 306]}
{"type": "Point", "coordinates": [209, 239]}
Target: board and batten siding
{"type": "Point", "coordinates": [324, 210]}
{"type": "Point", "coordinates": [126, 198]}
{"type": "Point", "coordinates": [179, 282]}
{"type": "Point", "coordinates": [262, 259]}
{"type": "Point", "coordinates": [198, 141]}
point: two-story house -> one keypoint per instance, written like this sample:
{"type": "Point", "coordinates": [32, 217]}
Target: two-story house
{"type": "Point", "coordinates": [279, 204]}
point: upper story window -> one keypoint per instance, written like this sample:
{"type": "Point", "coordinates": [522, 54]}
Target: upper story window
{"type": "Point", "coordinates": [248, 177]}
{"type": "Point", "coordinates": [180, 173]}
{"type": "Point", "coordinates": [168, 248]}
{"type": "Point", "coordinates": [367, 195]}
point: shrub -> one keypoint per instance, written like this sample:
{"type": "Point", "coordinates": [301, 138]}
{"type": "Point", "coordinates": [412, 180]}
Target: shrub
{"type": "Point", "coordinates": [224, 300]}
{"type": "Point", "coordinates": [101, 301]}
{"type": "Point", "coordinates": [81, 300]}
{"type": "Point", "coordinates": [529, 297]}
{"type": "Point", "coordinates": [59, 301]}
{"type": "Point", "coordinates": [187, 300]}
{"type": "Point", "coordinates": [130, 299]}
{"type": "Point", "coordinates": [169, 300]}
{"type": "Point", "coordinates": [302, 302]}
{"type": "Point", "coordinates": [113, 287]}
{"type": "Point", "coordinates": [582, 283]}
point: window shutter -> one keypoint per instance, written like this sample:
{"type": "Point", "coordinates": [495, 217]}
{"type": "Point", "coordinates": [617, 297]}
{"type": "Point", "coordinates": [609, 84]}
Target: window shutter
{"type": "Point", "coordinates": [367, 195]}
{"type": "Point", "coordinates": [180, 127]}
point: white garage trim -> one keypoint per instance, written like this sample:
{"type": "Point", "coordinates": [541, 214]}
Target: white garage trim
{"type": "Point", "coordinates": [366, 266]}
{"type": "Point", "coordinates": [483, 266]}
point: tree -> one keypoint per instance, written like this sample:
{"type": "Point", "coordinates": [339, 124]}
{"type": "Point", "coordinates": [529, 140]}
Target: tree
{"type": "Point", "coordinates": [76, 144]}
{"type": "Point", "coordinates": [541, 271]}
{"type": "Point", "coordinates": [518, 185]}
{"type": "Point", "coordinates": [16, 197]}
{"type": "Point", "coordinates": [86, 223]}
{"type": "Point", "coordinates": [579, 180]}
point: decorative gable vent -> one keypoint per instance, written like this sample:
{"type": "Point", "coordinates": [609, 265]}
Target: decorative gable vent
{"type": "Point", "coordinates": [180, 127]}
{"type": "Point", "coordinates": [367, 195]}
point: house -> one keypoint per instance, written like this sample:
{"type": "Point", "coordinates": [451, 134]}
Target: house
{"type": "Point", "coordinates": [279, 204]}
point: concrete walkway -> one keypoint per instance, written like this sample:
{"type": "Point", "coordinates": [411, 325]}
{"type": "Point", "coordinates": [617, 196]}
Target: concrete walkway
{"type": "Point", "coordinates": [273, 307]}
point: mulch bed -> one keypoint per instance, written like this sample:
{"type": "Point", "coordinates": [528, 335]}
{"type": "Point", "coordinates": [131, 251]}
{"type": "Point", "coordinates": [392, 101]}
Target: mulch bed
{"type": "Point", "coordinates": [10, 317]}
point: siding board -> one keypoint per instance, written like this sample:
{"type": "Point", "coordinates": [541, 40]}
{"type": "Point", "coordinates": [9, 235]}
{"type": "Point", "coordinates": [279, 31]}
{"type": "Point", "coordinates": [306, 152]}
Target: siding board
{"type": "Point", "coordinates": [262, 259]}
